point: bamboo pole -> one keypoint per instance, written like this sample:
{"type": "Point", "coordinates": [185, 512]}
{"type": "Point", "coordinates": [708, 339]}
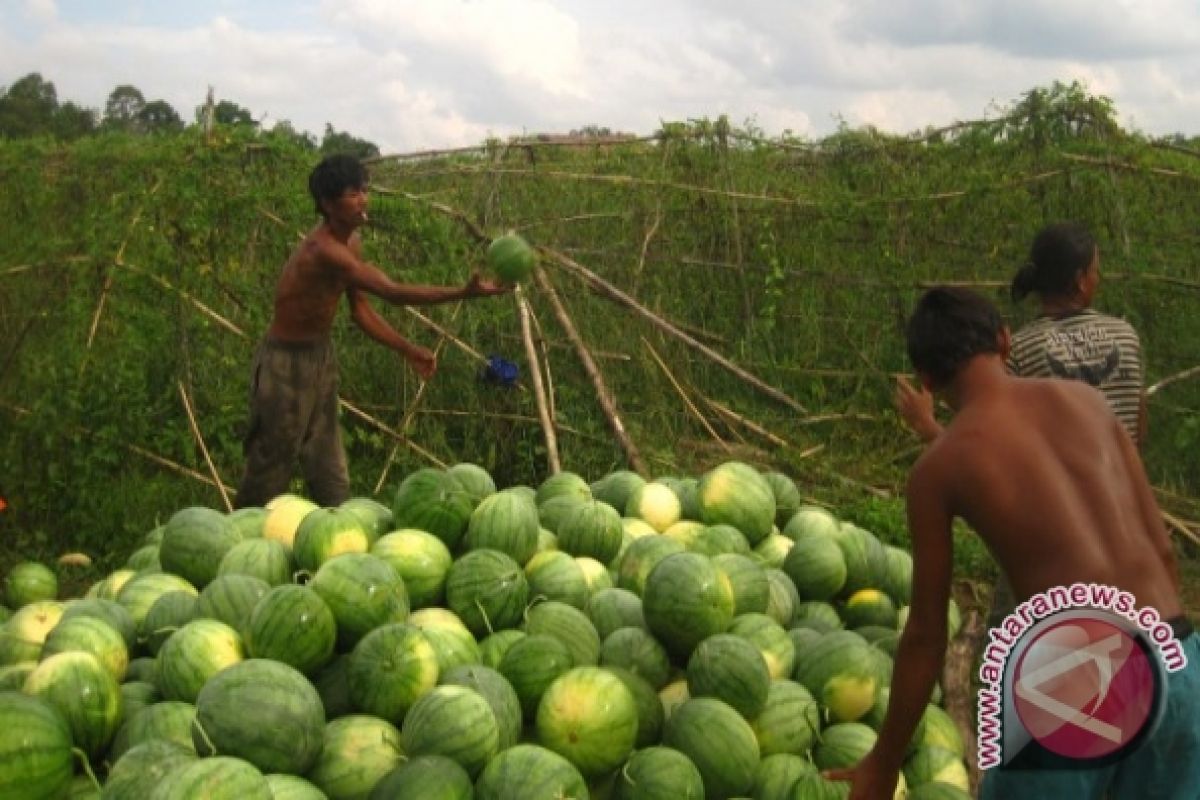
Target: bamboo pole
{"type": "Point", "coordinates": [1175, 523]}
{"type": "Point", "coordinates": [204, 309]}
{"type": "Point", "coordinates": [687, 401]}
{"type": "Point", "coordinates": [589, 364]}
{"type": "Point", "coordinates": [1178, 376]}
{"type": "Point", "coordinates": [409, 443]}
{"type": "Point", "coordinates": [539, 391]}
{"type": "Point", "coordinates": [613, 293]}
{"type": "Point", "coordinates": [754, 427]}
{"type": "Point", "coordinates": [212, 468]}
{"type": "Point", "coordinates": [541, 338]}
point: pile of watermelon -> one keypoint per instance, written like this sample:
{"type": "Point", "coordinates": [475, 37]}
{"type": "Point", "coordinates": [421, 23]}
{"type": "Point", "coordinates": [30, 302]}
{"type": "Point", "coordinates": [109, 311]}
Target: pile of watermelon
{"type": "Point", "coordinates": [679, 638]}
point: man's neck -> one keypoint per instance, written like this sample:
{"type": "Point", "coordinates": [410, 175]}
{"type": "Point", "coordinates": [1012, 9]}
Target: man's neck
{"type": "Point", "coordinates": [1061, 306]}
{"type": "Point", "coordinates": [339, 230]}
{"type": "Point", "coordinates": [980, 377]}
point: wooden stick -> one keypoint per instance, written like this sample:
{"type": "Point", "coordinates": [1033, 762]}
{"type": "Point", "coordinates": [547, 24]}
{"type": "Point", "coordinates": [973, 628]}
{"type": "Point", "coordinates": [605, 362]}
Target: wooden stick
{"type": "Point", "coordinates": [545, 361]}
{"type": "Point", "coordinates": [589, 364]}
{"type": "Point", "coordinates": [1179, 376]}
{"type": "Point", "coordinates": [730, 414]}
{"type": "Point", "coordinates": [539, 391]}
{"type": "Point", "coordinates": [208, 312]}
{"type": "Point", "coordinates": [212, 468]}
{"type": "Point", "coordinates": [617, 295]}
{"type": "Point", "coordinates": [1182, 527]}
{"type": "Point", "coordinates": [687, 401]}
{"type": "Point", "coordinates": [409, 443]}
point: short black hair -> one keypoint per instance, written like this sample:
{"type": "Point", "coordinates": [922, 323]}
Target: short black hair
{"type": "Point", "coordinates": [949, 326]}
{"type": "Point", "coordinates": [1058, 254]}
{"type": "Point", "coordinates": [333, 176]}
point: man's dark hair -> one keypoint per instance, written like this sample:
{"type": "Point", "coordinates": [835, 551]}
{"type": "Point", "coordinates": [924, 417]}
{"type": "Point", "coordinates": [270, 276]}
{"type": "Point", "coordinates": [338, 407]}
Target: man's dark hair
{"type": "Point", "coordinates": [333, 176]}
{"type": "Point", "coordinates": [1058, 254]}
{"type": "Point", "coordinates": [949, 326]}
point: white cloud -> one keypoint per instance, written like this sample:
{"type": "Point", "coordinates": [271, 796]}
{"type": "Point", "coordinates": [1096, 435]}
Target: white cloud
{"type": "Point", "coordinates": [43, 11]}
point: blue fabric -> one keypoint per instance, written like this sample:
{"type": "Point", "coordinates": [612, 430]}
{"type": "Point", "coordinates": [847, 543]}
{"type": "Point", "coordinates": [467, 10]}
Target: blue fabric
{"type": "Point", "coordinates": [1165, 767]}
{"type": "Point", "coordinates": [500, 371]}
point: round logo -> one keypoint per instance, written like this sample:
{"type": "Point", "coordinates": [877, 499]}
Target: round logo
{"type": "Point", "coordinates": [1087, 687]}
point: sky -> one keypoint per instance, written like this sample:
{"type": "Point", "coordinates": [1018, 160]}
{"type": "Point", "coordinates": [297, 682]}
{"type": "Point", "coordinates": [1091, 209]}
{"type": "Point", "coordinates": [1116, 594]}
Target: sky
{"type": "Point", "coordinates": [417, 74]}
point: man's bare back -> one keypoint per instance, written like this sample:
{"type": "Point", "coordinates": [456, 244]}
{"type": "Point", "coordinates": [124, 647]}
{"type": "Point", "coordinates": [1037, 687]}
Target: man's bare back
{"type": "Point", "coordinates": [1045, 474]}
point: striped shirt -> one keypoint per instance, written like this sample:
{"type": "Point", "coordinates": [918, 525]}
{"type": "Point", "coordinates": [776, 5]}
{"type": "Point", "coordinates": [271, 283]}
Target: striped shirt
{"type": "Point", "coordinates": [1087, 346]}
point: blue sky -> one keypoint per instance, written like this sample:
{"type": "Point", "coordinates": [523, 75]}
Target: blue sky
{"type": "Point", "coordinates": [413, 74]}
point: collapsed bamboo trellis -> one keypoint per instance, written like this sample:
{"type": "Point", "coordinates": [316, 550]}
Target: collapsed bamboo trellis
{"type": "Point", "coordinates": [539, 390]}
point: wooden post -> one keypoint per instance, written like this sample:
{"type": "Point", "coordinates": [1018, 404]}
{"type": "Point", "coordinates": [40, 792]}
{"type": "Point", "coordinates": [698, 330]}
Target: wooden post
{"type": "Point", "coordinates": [212, 468]}
{"type": "Point", "coordinates": [539, 390]}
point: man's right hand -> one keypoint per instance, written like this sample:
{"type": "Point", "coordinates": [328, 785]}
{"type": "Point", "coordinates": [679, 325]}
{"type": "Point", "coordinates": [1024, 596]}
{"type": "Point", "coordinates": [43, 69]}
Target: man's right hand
{"type": "Point", "coordinates": [423, 362]}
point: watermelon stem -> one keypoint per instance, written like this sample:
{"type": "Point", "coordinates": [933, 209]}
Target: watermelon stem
{"type": "Point", "coordinates": [301, 576]}
{"type": "Point", "coordinates": [486, 620]}
{"type": "Point", "coordinates": [212, 748]}
{"type": "Point", "coordinates": [87, 767]}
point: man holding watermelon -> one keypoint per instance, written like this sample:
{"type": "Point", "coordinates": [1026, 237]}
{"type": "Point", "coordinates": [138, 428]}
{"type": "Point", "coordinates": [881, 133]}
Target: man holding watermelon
{"type": "Point", "coordinates": [1044, 472]}
{"type": "Point", "coordinates": [294, 377]}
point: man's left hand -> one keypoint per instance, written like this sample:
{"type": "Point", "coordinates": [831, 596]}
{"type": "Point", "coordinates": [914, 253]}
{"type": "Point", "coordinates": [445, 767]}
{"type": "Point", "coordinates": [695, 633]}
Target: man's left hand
{"type": "Point", "coordinates": [478, 286]}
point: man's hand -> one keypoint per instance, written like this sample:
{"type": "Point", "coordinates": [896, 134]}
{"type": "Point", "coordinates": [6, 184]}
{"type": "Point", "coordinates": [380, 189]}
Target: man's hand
{"type": "Point", "coordinates": [868, 781]}
{"type": "Point", "coordinates": [915, 407]}
{"type": "Point", "coordinates": [423, 361]}
{"type": "Point", "coordinates": [478, 286]}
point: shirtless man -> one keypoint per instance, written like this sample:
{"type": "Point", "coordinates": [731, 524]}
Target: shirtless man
{"type": "Point", "coordinates": [294, 379]}
{"type": "Point", "coordinates": [1045, 474]}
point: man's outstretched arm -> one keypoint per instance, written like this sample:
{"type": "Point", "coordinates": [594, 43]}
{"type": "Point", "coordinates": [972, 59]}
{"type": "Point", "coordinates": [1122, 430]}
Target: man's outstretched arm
{"type": "Point", "coordinates": [423, 361]}
{"type": "Point", "coordinates": [367, 277]}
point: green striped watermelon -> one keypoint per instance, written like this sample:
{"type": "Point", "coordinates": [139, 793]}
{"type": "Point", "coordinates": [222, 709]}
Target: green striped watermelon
{"type": "Point", "coordinates": [688, 492]}
{"type": "Point", "coordinates": [85, 695]}
{"type": "Point", "coordinates": [843, 745]}
{"type": "Point", "coordinates": [248, 522]}
{"type": "Point", "coordinates": [288, 719]}
{"type": "Point", "coordinates": [589, 717]}
{"type": "Point", "coordinates": [451, 639]}
{"type": "Point", "coordinates": [659, 773]}
{"type": "Point", "coordinates": [134, 774]}
{"type": "Point", "coordinates": [192, 655]}
{"type": "Point", "coordinates": [494, 646]}
{"type": "Point", "coordinates": [719, 742]}
{"type": "Point", "coordinates": [934, 764]}
{"type": "Point", "coordinates": [772, 551]}
{"type": "Point", "coordinates": [866, 560]}
{"type": "Point", "coordinates": [897, 577]}
{"type": "Point", "coordinates": [612, 608]}
{"type": "Point", "coordinates": [376, 518]}
{"type": "Point", "coordinates": [332, 682]}
{"type": "Point", "coordinates": [140, 592]}
{"type": "Point", "coordinates": [751, 591]}
{"type": "Point", "coordinates": [136, 695]}
{"type": "Point", "coordinates": [818, 615]}
{"type": "Point", "coordinates": [555, 575]}
{"type": "Point", "coordinates": [169, 613]}
{"type": "Point", "coordinates": [530, 772]}
{"type": "Point", "coordinates": [789, 722]}
{"type": "Point", "coordinates": [231, 599]}
{"type": "Point", "coordinates": [29, 582]}
{"type": "Point", "coordinates": [840, 673]}
{"type": "Point", "coordinates": [937, 791]}
{"type": "Point", "coordinates": [363, 592]}
{"type": "Point", "coordinates": [815, 787]}
{"type": "Point", "coordinates": [194, 541]}
{"type": "Point", "coordinates": [817, 567]}
{"type": "Point", "coordinates": [869, 607]}
{"type": "Point", "coordinates": [778, 774]}
{"type": "Point", "coordinates": [656, 504]}
{"type": "Point", "coordinates": [108, 588]}
{"type": "Point", "coordinates": [771, 640]}
{"type": "Point", "coordinates": [432, 501]}
{"type": "Point", "coordinates": [325, 533]}
{"type": "Point", "coordinates": [216, 778]}
{"type": "Point", "coordinates": [109, 611]}
{"type": "Point", "coordinates": [488, 590]}
{"type": "Point", "coordinates": [781, 606]}
{"type": "Point", "coordinates": [37, 762]}
{"type": "Point", "coordinates": [421, 559]}
{"type": "Point", "coordinates": [731, 669]}
{"type": "Point", "coordinates": [634, 649]}
{"type": "Point", "coordinates": [456, 722]}
{"type": "Point", "coordinates": [650, 715]}
{"type": "Point", "coordinates": [640, 560]}
{"type": "Point", "coordinates": [570, 626]}
{"type": "Point", "coordinates": [787, 496]}
{"type": "Point", "coordinates": [424, 778]}
{"type": "Point", "coordinates": [687, 599]}
{"type": "Point", "coordinates": [690, 534]}
{"type": "Point", "coordinates": [938, 729]}
{"type": "Point", "coordinates": [474, 479]}
{"type": "Point", "coordinates": [616, 487]}
{"type": "Point", "coordinates": [810, 520]}
{"type": "Point", "coordinates": [284, 515]}
{"type": "Point", "coordinates": [506, 522]}
{"type": "Point", "coordinates": [293, 625]}
{"type": "Point", "coordinates": [554, 511]}
{"type": "Point", "coordinates": [12, 677]}
{"type": "Point", "coordinates": [563, 484]}
{"type": "Point", "coordinates": [499, 694]}
{"type": "Point", "coordinates": [591, 529]}
{"type": "Point", "coordinates": [531, 664]}
{"type": "Point", "coordinates": [268, 560]}
{"type": "Point", "coordinates": [145, 559]}
{"type": "Point", "coordinates": [89, 635]}
{"type": "Point", "coordinates": [168, 720]}
{"type": "Point", "coordinates": [389, 669]}
{"type": "Point", "coordinates": [736, 494]}
{"type": "Point", "coordinates": [292, 787]}
{"type": "Point", "coordinates": [357, 751]}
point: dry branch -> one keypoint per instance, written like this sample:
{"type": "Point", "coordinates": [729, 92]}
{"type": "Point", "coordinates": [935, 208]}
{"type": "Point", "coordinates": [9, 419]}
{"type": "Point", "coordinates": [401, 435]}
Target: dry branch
{"type": "Point", "coordinates": [208, 312]}
{"type": "Point", "coordinates": [539, 391]}
{"type": "Point", "coordinates": [541, 338]}
{"type": "Point", "coordinates": [613, 293]}
{"type": "Point", "coordinates": [749, 425]}
{"type": "Point", "coordinates": [409, 443]}
{"type": "Point", "coordinates": [1178, 376]}
{"type": "Point", "coordinates": [1176, 524]}
{"type": "Point", "coordinates": [589, 364]}
{"type": "Point", "coordinates": [687, 401]}
{"type": "Point", "coordinates": [212, 468]}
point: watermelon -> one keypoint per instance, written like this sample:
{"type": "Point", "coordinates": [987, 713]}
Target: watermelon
{"type": "Point", "coordinates": [142, 668]}
{"type": "Point", "coordinates": [839, 672]}
{"type": "Point", "coordinates": [789, 722]}
{"type": "Point", "coordinates": [687, 599]}
{"type": "Point", "coordinates": [288, 719]}
{"type": "Point", "coordinates": [570, 626]}
{"type": "Point", "coordinates": [781, 605]}
{"type": "Point", "coordinates": [389, 669]}
{"type": "Point", "coordinates": [293, 625]}
{"type": "Point", "coordinates": [217, 778]}
{"type": "Point", "coordinates": [357, 751]}
{"type": "Point", "coordinates": [938, 790]}
{"type": "Point", "coordinates": [659, 773]}
{"type": "Point", "coordinates": [688, 492]}
{"type": "Point", "coordinates": [109, 611]}
{"type": "Point", "coordinates": [474, 479]}
{"type": "Point", "coordinates": [637, 528]}
{"type": "Point", "coordinates": [616, 487]}
{"type": "Point", "coordinates": [421, 559]}
{"type": "Point", "coordinates": [85, 695]}
{"type": "Point", "coordinates": [866, 560]}
{"type": "Point", "coordinates": [376, 518]}
{"type": "Point", "coordinates": [194, 654]}
{"type": "Point", "coordinates": [934, 764]}
{"type": "Point", "coordinates": [751, 590]}
{"type": "Point", "coordinates": [736, 494]}
{"type": "Point", "coordinates": [777, 774]}
{"type": "Point", "coordinates": [363, 592]}
{"type": "Point", "coordinates": [487, 590]}
{"type": "Point", "coordinates": [36, 752]}
{"type": "Point", "coordinates": [29, 582]}
{"type": "Point", "coordinates": [731, 669]}
{"type": "Point", "coordinates": [511, 258]}
{"type": "Point", "coordinates": [424, 778]}
{"type": "Point", "coordinates": [554, 511]}
{"type": "Point", "coordinates": [938, 729]}
{"type": "Point", "coordinates": [451, 639]}
{"type": "Point", "coordinates": [811, 520]}
{"type": "Point", "coordinates": [563, 484]}
{"type": "Point", "coordinates": [456, 722]}
{"type": "Point", "coordinates": [169, 720]}
{"type": "Point", "coordinates": [268, 560]}
{"type": "Point", "coordinates": [248, 522]}
{"type": "Point", "coordinates": [140, 592]}
{"type": "Point", "coordinates": [531, 664]}
{"type": "Point", "coordinates": [499, 694]}
{"type": "Point", "coordinates": [641, 558]}
{"type": "Point", "coordinates": [635, 650]}
{"type": "Point", "coordinates": [555, 575]}
{"type": "Point", "coordinates": [12, 677]}
{"type": "Point", "coordinates": [284, 515]}
{"type": "Point", "coordinates": [546, 540]}
{"type": "Point", "coordinates": [169, 613]}
{"type": "Point", "coordinates": [506, 522]}
{"type": "Point", "coordinates": [195, 540]}
{"type": "Point", "coordinates": [432, 501]}
{"type": "Point", "coordinates": [530, 772]}
{"type": "Point", "coordinates": [89, 635]}
{"type": "Point", "coordinates": [291, 787]}
{"type": "Point", "coordinates": [231, 599]}
{"type": "Point", "coordinates": [897, 576]}
{"type": "Point", "coordinates": [787, 496]}
{"type": "Point", "coordinates": [136, 695]}
{"type": "Point", "coordinates": [818, 615]}
{"type": "Point", "coordinates": [719, 742]}
{"type": "Point", "coordinates": [134, 774]}
{"type": "Point", "coordinates": [108, 588]}
{"type": "Point", "coordinates": [145, 559]}
{"type": "Point", "coordinates": [325, 533]}
{"type": "Point", "coordinates": [612, 608]}
{"type": "Point", "coordinates": [843, 745]}
{"type": "Point", "coordinates": [672, 696]}
{"type": "Point", "coordinates": [332, 682]}
{"type": "Point", "coordinates": [714, 540]}
{"type": "Point", "coordinates": [772, 551]}
{"type": "Point", "coordinates": [495, 645]}
{"type": "Point", "coordinates": [589, 717]}
{"type": "Point", "coordinates": [771, 640]}
{"type": "Point", "coordinates": [650, 715]}
{"type": "Point", "coordinates": [803, 639]}
{"type": "Point", "coordinates": [813, 786]}
{"type": "Point", "coordinates": [591, 529]}
{"type": "Point", "coordinates": [817, 567]}
{"type": "Point", "coordinates": [656, 504]}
